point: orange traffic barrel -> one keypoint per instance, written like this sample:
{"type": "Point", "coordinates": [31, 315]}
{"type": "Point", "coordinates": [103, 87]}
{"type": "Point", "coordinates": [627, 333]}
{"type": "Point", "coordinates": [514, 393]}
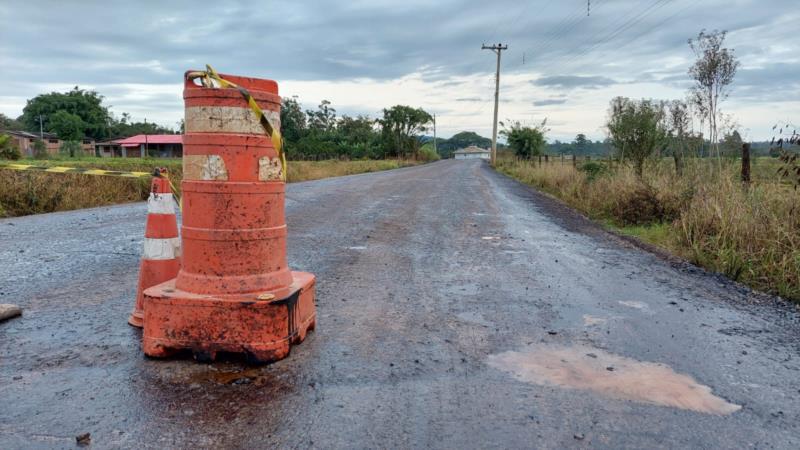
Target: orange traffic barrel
{"type": "Point", "coordinates": [235, 291]}
{"type": "Point", "coordinates": [162, 246]}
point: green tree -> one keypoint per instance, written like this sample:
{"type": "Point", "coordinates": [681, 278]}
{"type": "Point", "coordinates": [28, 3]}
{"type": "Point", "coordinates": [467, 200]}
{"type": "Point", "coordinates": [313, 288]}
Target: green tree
{"type": "Point", "coordinates": [7, 148]}
{"type": "Point", "coordinates": [732, 144]}
{"type": "Point", "coordinates": [400, 127]}
{"type": "Point", "coordinates": [87, 105]}
{"type": "Point", "coordinates": [526, 141]}
{"type": "Point", "coordinates": [293, 121]}
{"type": "Point", "coordinates": [462, 140]}
{"type": "Point", "coordinates": [357, 136]}
{"type": "Point", "coordinates": [580, 144]}
{"type": "Point", "coordinates": [7, 123]}
{"type": "Point", "coordinates": [323, 119]}
{"type": "Point", "coordinates": [68, 126]}
{"type": "Point", "coordinates": [636, 129]}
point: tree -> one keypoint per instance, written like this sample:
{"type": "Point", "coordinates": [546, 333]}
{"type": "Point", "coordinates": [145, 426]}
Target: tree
{"type": "Point", "coordinates": [526, 141]}
{"type": "Point", "coordinates": [7, 123]}
{"type": "Point", "coordinates": [464, 139]}
{"type": "Point", "coordinates": [580, 144]}
{"type": "Point", "coordinates": [323, 119]}
{"type": "Point", "coordinates": [713, 72]}
{"type": "Point", "coordinates": [358, 136]}
{"type": "Point", "coordinates": [7, 148]}
{"type": "Point", "coordinates": [636, 129]}
{"type": "Point", "coordinates": [400, 126]}
{"type": "Point", "coordinates": [87, 105]}
{"type": "Point", "coordinates": [68, 126]}
{"type": "Point", "coordinates": [293, 121]}
{"type": "Point", "coordinates": [678, 121]}
{"type": "Point", "coordinates": [732, 144]}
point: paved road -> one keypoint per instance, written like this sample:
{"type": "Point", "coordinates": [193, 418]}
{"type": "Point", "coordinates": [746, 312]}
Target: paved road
{"type": "Point", "coordinates": [457, 309]}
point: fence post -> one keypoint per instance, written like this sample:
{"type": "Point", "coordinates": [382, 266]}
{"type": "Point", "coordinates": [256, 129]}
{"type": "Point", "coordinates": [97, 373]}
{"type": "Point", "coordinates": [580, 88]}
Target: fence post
{"type": "Point", "coordinates": [574, 160]}
{"type": "Point", "coordinates": [540, 160]}
{"type": "Point", "coordinates": [746, 163]}
{"type": "Point", "coordinates": [546, 158]}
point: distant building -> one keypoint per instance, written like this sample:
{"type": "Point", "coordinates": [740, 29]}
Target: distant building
{"type": "Point", "coordinates": [141, 145]}
{"type": "Point", "coordinates": [471, 152]}
{"type": "Point", "coordinates": [24, 142]}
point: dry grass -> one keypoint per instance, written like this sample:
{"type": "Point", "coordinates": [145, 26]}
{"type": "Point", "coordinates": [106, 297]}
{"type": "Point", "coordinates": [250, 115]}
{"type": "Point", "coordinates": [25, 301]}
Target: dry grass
{"type": "Point", "coordinates": [749, 234]}
{"type": "Point", "coordinates": [23, 193]}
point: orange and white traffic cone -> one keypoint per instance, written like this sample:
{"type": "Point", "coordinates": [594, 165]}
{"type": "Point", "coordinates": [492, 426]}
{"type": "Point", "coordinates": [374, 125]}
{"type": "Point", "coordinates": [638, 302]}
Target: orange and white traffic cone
{"type": "Point", "coordinates": [162, 246]}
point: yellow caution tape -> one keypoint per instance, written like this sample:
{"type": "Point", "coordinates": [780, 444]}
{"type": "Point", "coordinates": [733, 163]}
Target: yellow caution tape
{"type": "Point", "coordinates": [77, 170]}
{"type": "Point", "coordinates": [274, 134]}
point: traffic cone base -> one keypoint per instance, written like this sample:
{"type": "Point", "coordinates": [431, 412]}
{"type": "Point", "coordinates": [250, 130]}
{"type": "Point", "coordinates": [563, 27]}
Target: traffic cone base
{"type": "Point", "coordinates": [263, 326]}
{"type": "Point", "coordinates": [162, 247]}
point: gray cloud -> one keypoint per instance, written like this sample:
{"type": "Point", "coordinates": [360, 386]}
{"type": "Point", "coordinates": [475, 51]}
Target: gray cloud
{"type": "Point", "coordinates": [114, 43]}
{"type": "Point", "coordinates": [574, 81]}
{"type": "Point", "coordinates": [550, 101]}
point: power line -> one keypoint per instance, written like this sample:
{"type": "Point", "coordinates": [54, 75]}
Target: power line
{"type": "Point", "coordinates": [621, 27]}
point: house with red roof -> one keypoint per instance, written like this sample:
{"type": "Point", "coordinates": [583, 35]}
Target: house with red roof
{"type": "Point", "coordinates": [141, 145]}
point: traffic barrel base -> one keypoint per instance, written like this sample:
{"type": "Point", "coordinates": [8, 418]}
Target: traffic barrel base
{"type": "Point", "coordinates": [262, 326]}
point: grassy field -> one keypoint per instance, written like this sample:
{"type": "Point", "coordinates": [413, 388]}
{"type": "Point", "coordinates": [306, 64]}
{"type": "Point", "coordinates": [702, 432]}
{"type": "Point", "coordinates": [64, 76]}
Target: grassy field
{"type": "Point", "coordinates": [750, 234]}
{"type": "Point", "coordinates": [23, 193]}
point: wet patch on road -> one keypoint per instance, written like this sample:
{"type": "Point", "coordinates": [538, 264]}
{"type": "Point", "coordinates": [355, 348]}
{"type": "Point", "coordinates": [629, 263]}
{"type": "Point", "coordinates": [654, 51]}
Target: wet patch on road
{"type": "Point", "coordinates": [589, 320]}
{"type": "Point", "coordinates": [610, 375]}
{"type": "Point", "coordinates": [634, 304]}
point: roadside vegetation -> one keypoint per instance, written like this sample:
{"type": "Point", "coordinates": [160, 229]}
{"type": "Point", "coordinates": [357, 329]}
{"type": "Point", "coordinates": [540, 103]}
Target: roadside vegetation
{"type": "Point", "coordinates": [670, 185]}
{"type": "Point", "coordinates": [23, 193]}
{"type": "Point", "coordinates": [318, 142]}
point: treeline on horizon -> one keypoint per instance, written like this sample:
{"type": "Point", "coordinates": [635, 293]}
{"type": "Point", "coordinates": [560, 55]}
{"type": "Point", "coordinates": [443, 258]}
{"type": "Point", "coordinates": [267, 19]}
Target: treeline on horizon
{"type": "Point", "coordinates": [311, 134]}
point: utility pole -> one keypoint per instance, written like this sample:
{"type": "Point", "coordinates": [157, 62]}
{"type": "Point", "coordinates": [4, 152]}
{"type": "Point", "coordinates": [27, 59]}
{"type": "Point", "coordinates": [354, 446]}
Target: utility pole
{"type": "Point", "coordinates": [498, 49]}
{"type": "Point", "coordinates": [41, 129]}
{"type": "Point", "coordinates": [435, 150]}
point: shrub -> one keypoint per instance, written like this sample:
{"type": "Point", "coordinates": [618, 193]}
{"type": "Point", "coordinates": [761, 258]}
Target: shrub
{"type": "Point", "coordinates": [72, 148]}
{"type": "Point", "coordinates": [427, 154]}
{"type": "Point", "coordinates": [7, 148]}
{"type": "Point", "coordinates": [593, 169]}
{"type": "Point", "coordinates": [40, 149]}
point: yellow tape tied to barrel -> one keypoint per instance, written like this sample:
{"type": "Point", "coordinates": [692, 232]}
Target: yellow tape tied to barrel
{"type": "Point", "coordinates": [211, 75]}
{"type": "Point", "coordinates": [76, 170]}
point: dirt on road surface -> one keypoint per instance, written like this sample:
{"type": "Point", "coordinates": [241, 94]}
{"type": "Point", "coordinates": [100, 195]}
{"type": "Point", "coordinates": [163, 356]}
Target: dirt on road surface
{"type": "Point", "coordinates": [456, 309]}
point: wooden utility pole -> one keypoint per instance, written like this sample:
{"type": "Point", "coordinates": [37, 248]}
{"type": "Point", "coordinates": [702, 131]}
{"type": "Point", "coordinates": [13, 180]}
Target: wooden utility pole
{"type": "Point", "coordinates": [498, 49]}
{"type": "Point", "coordinates": [746, 163]}
{"type": "Point", "coordinates": [435, 150]}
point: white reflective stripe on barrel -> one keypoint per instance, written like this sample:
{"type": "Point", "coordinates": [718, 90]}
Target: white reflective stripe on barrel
{"type": "Point", "coordinates": [162, 248]}
{"type": "Point", "coordinates": [227, 119]}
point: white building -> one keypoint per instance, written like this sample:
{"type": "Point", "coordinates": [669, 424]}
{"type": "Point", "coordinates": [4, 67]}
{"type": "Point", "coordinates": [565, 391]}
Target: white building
{"type": "Point", "coordinates": [471, 152]}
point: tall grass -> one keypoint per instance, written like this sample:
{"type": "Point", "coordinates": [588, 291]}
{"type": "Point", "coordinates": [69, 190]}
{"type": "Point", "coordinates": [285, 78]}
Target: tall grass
{"type": "Point", "coordinates": [750, 234]}
{"type": "Point", "coordinates": [23, 193]}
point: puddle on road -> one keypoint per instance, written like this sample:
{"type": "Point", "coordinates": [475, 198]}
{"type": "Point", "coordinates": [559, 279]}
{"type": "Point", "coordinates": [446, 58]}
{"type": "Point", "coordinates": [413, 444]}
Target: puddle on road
{"type": "Point", "coordinates": [589, 320]}
{"type": "Point", "coordinates": [632, 304]}
{"type": "Point", "coordinates": [612, 376]}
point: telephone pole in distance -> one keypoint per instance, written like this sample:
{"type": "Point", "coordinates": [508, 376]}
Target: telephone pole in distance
{"type": "Point", "coordinates": [498, 49]}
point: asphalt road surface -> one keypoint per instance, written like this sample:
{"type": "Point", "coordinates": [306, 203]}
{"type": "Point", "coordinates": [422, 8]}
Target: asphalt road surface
{"type": "Point", "coordinates": [456, 309]}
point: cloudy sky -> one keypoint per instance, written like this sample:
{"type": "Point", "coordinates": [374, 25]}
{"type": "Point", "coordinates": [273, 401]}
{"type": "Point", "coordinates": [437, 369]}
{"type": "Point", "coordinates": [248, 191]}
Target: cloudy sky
{"type": "Point", "coordinates": [364, 55]}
